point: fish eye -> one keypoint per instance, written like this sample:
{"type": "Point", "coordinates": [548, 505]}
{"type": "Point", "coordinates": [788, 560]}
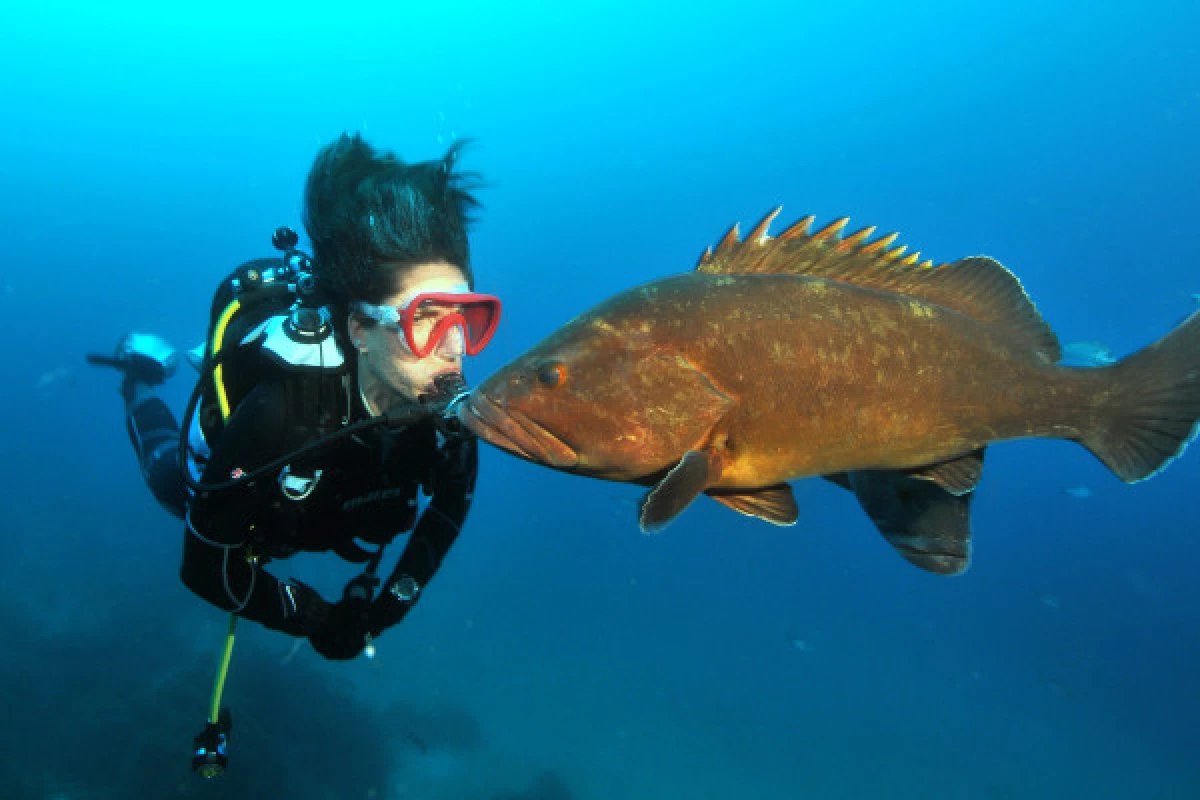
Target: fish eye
{"type": "Point", "coordinates": [552, 375]}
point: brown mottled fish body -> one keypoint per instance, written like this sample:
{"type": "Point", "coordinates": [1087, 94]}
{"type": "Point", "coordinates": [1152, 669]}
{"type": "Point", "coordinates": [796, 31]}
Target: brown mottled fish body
{"type": "Point", "coordinates": [857, 378]}
{"type": "Point", "coordinates": [810, 354]}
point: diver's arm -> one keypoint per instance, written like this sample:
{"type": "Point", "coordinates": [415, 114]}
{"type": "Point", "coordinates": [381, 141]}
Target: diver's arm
{"type": "Point", "coordinates": [453, 485]}
{"type": "Point", "coordinates": [223, 575]}
{"type": "Point", "coordinates": [217, 561]}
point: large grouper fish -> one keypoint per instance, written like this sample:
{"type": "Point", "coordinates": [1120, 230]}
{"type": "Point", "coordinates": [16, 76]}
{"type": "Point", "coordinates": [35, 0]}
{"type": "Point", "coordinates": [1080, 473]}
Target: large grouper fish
{"type": "Point", "coordinates": [811, 354]}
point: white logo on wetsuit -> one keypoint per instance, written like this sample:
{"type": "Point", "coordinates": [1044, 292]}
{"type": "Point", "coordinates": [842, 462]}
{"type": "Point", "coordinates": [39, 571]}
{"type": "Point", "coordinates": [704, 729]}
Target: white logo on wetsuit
{"type": "Point", "coordinates": [377, 496]}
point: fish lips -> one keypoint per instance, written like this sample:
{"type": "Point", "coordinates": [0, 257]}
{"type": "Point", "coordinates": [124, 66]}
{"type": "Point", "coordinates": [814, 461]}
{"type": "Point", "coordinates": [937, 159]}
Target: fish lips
{"type": "Point", "coordinates": [515, 432]}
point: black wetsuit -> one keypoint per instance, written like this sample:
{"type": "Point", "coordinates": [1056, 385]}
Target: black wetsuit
{"type": "Point", "coordinates": [351, 497]}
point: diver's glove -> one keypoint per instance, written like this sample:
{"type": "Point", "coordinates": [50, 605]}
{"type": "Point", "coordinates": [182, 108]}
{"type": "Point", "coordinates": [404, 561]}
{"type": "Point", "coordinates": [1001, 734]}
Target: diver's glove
{"type": "Point", "coordinates": [304, 608]}
{"type": "Point", "coordinates": [344, 632]}
{"type": "Point", "coordinates": [145, 358]}
{"type": "Point", "coordinates": [454, 471]}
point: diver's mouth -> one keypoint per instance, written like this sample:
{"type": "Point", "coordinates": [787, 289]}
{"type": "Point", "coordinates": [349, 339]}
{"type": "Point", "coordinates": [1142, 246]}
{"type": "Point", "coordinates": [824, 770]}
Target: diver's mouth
{"type": "Point", "coordinates": [514, 432]}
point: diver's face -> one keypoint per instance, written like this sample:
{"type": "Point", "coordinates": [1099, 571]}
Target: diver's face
{"type": "Point", "coordinates": [387, 366]}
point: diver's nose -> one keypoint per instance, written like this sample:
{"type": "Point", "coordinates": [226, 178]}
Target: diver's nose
{"type": "Point", "coordinates": [453, 344]}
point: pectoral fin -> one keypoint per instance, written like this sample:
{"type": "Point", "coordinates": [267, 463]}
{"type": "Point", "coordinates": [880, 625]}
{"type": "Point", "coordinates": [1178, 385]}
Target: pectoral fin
{"type": "Point", "coordinates": [775, 504]}
{"type": "Point", "coordinates": [928, 526]}
{"type": "Point", "coordinates": [676, 490]}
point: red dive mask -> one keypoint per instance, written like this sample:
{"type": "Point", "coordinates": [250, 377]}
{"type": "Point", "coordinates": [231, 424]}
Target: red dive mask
{"type": "Point", "coordinates": [428, 320]}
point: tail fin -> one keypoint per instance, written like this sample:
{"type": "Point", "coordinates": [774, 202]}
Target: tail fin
{"type": "Point", "coordinates": [1153, 410]}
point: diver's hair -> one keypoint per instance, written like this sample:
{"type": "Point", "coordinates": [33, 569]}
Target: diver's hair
{"type": "Point", "coordinates": [370, 216]}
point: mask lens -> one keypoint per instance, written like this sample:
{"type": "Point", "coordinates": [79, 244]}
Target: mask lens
{"type": "Point", "coordinates": [431, 318]}
{"type": "Point", "coordinates": [481, 320]}
{"type": "Point", "coordinates": [424, 322]}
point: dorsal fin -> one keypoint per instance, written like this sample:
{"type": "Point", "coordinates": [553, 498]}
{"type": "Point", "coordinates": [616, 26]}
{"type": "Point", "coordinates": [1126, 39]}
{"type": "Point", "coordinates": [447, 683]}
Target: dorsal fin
{"type": "Point", "coordinates": [978, 287]}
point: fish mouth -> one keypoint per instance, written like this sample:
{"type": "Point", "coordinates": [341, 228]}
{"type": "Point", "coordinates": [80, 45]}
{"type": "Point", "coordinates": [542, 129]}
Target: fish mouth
{"type": "Point", "coordinates": [515, 432]}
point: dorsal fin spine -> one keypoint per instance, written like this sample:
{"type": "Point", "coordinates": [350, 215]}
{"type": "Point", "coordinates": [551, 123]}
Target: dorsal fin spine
{"type": "Point", "coordinates": [880, 243]}
{"type": "Point", "coordinates": [831, 230]}
{"type": "Point", "coordinates": [799, 228]}
{"type": "Point", "coordinates": [760, 230]}
{"type": "Point", "coordinates": [855, 239]}
{"type": "Point", "coordinates": [728, 242]}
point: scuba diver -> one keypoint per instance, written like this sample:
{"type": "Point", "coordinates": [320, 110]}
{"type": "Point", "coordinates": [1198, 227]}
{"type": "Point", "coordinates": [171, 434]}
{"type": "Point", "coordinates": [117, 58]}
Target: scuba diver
{"type": "Point", "coordinates": [325, 402]}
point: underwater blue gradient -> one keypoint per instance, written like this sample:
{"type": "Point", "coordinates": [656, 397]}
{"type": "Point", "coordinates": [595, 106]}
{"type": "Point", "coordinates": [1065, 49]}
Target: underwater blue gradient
{"type": "Point", "coordinates": [561, 653]}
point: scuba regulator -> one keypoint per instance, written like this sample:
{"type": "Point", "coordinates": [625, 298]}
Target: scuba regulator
{"type": "Point", "coordinates": [449, 390]}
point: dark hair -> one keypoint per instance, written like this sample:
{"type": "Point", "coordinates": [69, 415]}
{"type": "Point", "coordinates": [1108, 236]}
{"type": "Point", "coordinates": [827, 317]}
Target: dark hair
{"type": "Point", "coordinates": [365, 209]}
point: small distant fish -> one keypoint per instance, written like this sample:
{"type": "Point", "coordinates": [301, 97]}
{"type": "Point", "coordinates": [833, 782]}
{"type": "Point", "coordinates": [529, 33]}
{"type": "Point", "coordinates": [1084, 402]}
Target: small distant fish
{"type": "Point", "coordinates": [1196, 298]}
{"type": "Point", "coordinates": [1078, 492]}
{"type": "Point", "coordinates": [48, 379]}
{"type": "Point", "coordinates": [1086, 354]}
{"type": "Point", "coordinates": [801, 645]}
{"type": "Point", "coordinates": [1050, 601]}
{"type": "Point", "coordinates": [287, 659]}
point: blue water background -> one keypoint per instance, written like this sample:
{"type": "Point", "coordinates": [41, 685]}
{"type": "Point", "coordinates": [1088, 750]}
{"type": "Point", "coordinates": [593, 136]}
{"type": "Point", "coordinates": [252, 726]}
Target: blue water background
{"type": "Point", "coordinates": [560, 653]}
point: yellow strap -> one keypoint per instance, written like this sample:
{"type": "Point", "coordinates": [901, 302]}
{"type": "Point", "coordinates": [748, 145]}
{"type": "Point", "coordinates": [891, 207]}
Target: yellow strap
{"type": "Point", "coordinates": [217, 343]}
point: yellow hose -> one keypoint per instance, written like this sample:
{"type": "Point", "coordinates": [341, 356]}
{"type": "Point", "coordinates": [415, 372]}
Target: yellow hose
{"type": "Point", "coordinates": [223, 404]}
{"type": "Point", "coordinates": [222, 671]}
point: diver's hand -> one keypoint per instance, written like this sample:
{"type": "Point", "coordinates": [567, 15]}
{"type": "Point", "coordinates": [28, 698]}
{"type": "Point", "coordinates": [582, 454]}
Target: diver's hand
{"type": "Point", "coordinates": [453, 474]}
{"type": "Point", "coordinates": [304, 609]}
{"type": "Point", "coordinates": [386, 611]}
{"type": "Point", "coordinates": [343, 635]}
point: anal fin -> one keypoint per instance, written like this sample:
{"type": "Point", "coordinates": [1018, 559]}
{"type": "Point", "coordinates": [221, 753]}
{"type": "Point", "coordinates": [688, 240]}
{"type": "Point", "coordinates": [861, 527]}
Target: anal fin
{"type": "Point", "coordinates": [928, 526]}
{"type": "Point", "coordinates": [775, 504]}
